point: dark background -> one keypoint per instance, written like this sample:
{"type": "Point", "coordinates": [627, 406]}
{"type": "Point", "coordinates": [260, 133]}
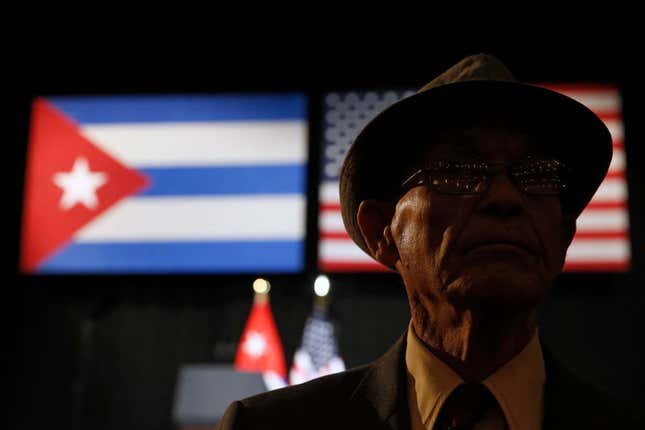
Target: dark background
{"type": "Point", "coordinates": [126, 336]}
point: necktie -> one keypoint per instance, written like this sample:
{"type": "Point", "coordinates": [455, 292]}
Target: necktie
{"type": "Point", "coordinates": [465, 406]}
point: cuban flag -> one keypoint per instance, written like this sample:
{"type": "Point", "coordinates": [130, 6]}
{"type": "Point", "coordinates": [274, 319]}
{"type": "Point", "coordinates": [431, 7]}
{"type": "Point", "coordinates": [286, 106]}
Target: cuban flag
{"type": "Point", "coordinates": [260, 348]}
{"type": "Point", "coordinates": [601, 242]}
{"type": "Point", "coordinates": [163, 184]}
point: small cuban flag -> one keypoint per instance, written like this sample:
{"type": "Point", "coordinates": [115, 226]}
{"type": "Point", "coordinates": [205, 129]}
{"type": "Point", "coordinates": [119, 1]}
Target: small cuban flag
{"type": "Point", "coordinates": [260, 349]}
{"type": "Point", "coordinates": [163, 184]}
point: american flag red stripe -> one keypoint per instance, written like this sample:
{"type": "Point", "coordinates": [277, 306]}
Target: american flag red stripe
{"type": "Point", "coordinates": [609, 116]}
{"type": "Point", "coordinates": [332, 206]}
{"type": "Point", "coordinates": [353, 266]}
{"type": "Point", "coordinates": [621, 204]}
{"type": "Point", "coordinates": [598, 266]}
{"type": "Point", "coordinates": [615, 175]}
{"type": "Point", "coordinates": [601, 242]}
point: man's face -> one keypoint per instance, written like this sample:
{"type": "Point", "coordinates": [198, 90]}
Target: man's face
{"type": "Point", "coordinates": [501, 247]}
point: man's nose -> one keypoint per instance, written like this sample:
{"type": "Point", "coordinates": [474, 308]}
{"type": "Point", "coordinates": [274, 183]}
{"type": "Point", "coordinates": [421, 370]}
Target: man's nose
{"type": "Point", "coordinates": [502, 197]}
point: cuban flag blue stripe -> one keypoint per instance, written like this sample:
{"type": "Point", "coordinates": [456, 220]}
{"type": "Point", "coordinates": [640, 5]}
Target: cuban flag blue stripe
{"type": "Point", "coordinates": [214, 162]}
{"type": "Point", "coordinates": [192, 181]}
{"type": "Point", "coordinates": [178, 257]}
{"type": "Point", "coordinates": [146, 109]}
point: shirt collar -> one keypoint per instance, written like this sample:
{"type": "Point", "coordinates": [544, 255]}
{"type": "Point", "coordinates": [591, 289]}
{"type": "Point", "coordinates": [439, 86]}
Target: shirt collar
{"type": "Point", "coordinates": [518, 385]}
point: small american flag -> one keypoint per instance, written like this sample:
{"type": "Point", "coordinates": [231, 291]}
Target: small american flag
{"type": "Point", "coordinates": [318, 354]}
{"type": "Point", "coordinates": [601, 242]}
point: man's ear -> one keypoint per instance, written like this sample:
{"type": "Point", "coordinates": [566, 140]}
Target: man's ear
{"type": "Point", "coordinates": [373, 218]}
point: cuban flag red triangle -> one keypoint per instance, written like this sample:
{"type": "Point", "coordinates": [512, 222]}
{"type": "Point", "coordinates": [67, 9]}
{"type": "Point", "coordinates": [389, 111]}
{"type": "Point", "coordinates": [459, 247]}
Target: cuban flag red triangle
{"type": "Point", "coordinates": [69, 183]}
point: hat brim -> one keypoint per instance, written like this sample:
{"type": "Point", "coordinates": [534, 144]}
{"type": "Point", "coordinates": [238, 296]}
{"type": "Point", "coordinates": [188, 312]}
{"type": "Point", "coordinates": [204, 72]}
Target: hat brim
{"type": "Point", "coordinates": [568, 130]}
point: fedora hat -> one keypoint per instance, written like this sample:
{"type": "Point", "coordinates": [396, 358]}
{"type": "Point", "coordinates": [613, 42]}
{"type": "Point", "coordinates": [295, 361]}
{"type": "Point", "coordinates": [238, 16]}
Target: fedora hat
{"type": "Point", "coordinates": [383, 149]}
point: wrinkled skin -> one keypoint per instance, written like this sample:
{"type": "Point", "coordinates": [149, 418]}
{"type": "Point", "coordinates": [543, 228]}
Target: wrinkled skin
{"type": "Point", "coordinates": [432, 232]}
{"type": "Point", "coordinates": [461, 296]}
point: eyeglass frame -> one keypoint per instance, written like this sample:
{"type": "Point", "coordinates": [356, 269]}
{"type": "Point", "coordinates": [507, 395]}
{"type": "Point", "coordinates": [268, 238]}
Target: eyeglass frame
{"type": "Point", "coordinates": [490, 170]}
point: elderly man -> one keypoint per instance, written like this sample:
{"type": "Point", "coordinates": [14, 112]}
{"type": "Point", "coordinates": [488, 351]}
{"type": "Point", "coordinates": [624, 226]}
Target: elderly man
{"type": "Point", "coordinates": [470, 190]}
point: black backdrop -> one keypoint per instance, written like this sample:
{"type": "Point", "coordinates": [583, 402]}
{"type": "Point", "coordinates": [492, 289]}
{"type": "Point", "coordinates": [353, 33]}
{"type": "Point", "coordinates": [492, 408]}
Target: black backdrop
{"type": "Point", "coordinates": [126, 335]}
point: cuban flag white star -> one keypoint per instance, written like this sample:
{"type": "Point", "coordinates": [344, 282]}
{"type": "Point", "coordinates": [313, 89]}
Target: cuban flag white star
{"type": "Point", "coordinates": [255, 344]}
{"type": "Point", "coordinates": [79, 185]}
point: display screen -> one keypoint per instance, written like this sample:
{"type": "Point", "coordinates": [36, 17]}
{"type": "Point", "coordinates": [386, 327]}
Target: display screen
{"type": "Point", "coordinates": [601, 242]}
{"type": "Point", "coordinates": [166, 184]}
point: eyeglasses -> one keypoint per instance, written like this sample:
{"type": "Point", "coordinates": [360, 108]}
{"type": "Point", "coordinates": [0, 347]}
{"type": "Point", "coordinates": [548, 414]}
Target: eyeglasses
{"type": "Point", "coordinates": [541, 176]}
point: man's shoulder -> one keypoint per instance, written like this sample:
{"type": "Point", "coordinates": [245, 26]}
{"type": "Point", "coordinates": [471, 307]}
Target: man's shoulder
{"type": "Point", "coordinates": [311, 404]}
{"type": "Point", "coordinates": [361, 397]}
{"type": "Point", "coordinates": [335, 388]}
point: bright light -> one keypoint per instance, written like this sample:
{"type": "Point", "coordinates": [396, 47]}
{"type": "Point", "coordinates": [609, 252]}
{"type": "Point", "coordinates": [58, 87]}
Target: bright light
{"type": "Point", "coordinates": [261, 286]}
{"type": "Point", "coordinates": [321, 286]}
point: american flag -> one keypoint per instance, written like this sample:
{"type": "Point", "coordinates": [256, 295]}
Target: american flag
{"type": "Point", "coordinates": [318, 355]}
{"type": "Point", "coordinates": [601, 242]}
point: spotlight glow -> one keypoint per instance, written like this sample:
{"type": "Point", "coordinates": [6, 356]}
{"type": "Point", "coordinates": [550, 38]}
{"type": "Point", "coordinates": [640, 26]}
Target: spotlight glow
{"type": "Point", "coordinates": [321, 286]}
{"type": "Point", "coordinates": [261, 286]}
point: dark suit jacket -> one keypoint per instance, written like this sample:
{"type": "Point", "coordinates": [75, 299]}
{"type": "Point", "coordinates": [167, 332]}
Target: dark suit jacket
{"type": "Point", "coordinates": [374, 396]}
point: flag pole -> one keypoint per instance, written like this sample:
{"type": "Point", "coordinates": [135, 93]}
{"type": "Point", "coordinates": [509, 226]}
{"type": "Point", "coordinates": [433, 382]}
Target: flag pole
{"type": "Point", "coordinates": [321, 296]}
{"type": "Point", "coordinates": [261, 288]}
{"type": "Point", "coordinates": [321, 304]}
{"type": "Point", "coordinates": [318, 354]}
{"type": "Point", "coordinates": [260, 348]}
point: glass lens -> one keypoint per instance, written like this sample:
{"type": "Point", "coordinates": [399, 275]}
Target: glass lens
{"type": "Point", "coordinates": [457, 177]}
{"type": "Point", "coordinates": [542, 176]}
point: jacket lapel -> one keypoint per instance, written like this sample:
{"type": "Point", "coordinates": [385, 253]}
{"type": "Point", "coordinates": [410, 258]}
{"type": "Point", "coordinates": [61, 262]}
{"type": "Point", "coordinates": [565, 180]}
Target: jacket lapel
{"type": "Point", "coordinates": [382, 394]}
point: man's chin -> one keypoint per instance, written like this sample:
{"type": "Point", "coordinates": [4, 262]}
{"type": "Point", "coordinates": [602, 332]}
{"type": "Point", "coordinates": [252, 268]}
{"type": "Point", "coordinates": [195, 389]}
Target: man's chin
{"type": "Point", "coordinates": [502, 287]}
